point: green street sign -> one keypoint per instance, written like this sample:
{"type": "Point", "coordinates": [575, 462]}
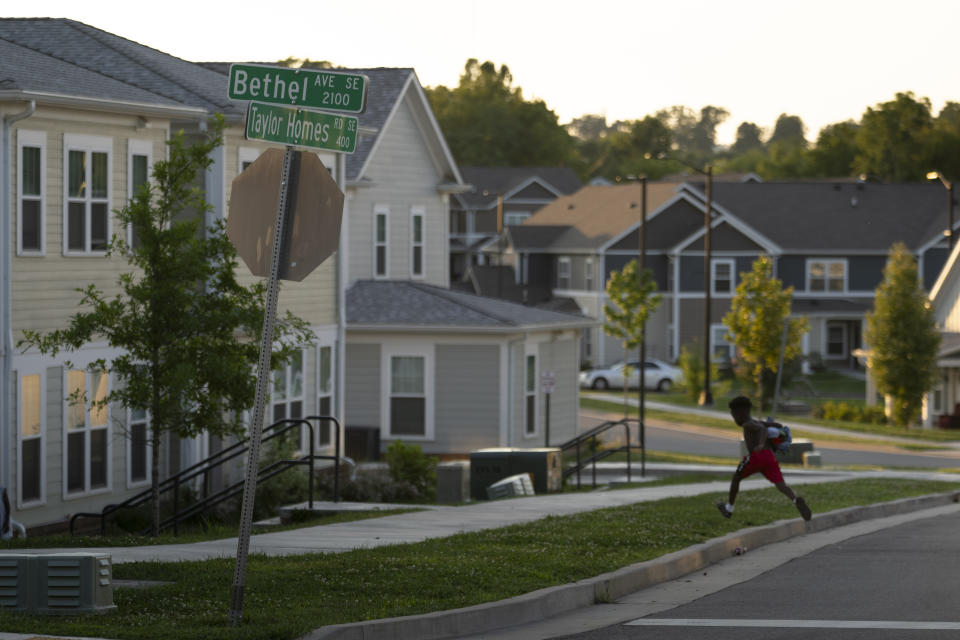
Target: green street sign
{"type": "Point", "coordinates": [318, 89]}
{"type": "Point", "coordinates": [301, 128]}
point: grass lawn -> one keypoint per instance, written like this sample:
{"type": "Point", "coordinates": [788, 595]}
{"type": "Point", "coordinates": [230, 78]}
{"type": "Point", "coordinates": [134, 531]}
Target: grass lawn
{"type": "Point", "coordinates": [933, 436]}
{"type": "Point", "coordinates": [287, 597]}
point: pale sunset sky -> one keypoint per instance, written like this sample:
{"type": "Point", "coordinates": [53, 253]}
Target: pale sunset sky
{"type": "Point", "coordinates": [823, 60]}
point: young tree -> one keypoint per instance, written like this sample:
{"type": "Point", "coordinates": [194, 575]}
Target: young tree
{"type": "Point", "coordinates": [187, 331]}
{"type": "Point", "coordinates": [633, 297]}
{"type": "Point", "coordinates": [755, 322]}
{"type": "Point", "coordinates": [903, 336]}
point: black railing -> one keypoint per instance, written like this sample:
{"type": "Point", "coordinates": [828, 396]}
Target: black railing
{"type": "Point", "coordinates": [591, 439]}
{"type": "Point", "coordinates": [204, 467]}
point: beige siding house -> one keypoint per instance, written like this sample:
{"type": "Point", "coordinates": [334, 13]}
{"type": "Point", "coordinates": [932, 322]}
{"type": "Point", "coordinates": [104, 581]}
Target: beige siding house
{"type": "Point", "coordinates": [85, 114]}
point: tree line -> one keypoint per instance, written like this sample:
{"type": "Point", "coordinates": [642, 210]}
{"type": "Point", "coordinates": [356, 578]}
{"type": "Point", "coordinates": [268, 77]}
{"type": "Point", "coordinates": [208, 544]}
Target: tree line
{"type": "Point", "coordinates": [488, 122]}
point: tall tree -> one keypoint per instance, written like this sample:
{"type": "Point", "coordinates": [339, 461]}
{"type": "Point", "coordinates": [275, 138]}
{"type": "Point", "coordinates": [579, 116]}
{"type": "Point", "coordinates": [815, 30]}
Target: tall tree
{"type": "Point", "coordinates": [755, 322]}
{"type": "Point", "coordinates": [835, 150]}
{"type": "Point", "coordinates": [748, 138]}
{"type": "Point", "coordinates": [487, 122]}
{"type": "Point", "coordinates": [903, 337]}
{"type": "Point", "coordinates": [893, 139]}
{"type": "Point", "coordinates": [185, 329]}
{"type": "Point", "coordinates": [789, 129]}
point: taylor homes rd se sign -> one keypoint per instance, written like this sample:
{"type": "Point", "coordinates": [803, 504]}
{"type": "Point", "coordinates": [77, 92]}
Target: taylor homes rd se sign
{"type": "Point", "coordinates": [309, 88]}
{"type": "Point", "coordinates": [301, 128]}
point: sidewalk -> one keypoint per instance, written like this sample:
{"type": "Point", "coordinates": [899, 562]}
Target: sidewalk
{"type": "Point", "coordinates": [442, 521]}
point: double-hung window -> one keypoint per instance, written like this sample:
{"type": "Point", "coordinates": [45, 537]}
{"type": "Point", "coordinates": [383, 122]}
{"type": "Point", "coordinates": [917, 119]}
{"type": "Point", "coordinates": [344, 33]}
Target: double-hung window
{"type": "Point", "coordinates": [87, 431]}
{"type": "Point", "coordinates": [407, 378]}
{"type": "Point", "coordinates": [721, 276]}
{"type": "Point", "coordinates": [719, 345]}
{"type": "Point", "coordinates": [826, 276]}
{"type": "Point", "coordinates": [138, 459]}
{"type": "Point", "coordinates": [139, 165]}
{"type": "Point", "coordinates": [381, 233]}
{"type": "Point", "coordinates": [563, 273]}
{"type": "Point", "coordinates": [287, 397]}
{"type": "Point", "coordinates": [31, 436]}
{"type": "Point", "coordinates": [31, 187]}
{"type": "Point", "coordinates": [530, 396]}
{"type": "Point", "coordinates": [325, 391]}
{"type": "Point", "coordinates": [588, 274]}
{"type": "Point", "coordinates": [512, 218]}
{"type": "Point", "coordinates": [87, 166]}
{"type": "Point", "coordinates": [416, 242]}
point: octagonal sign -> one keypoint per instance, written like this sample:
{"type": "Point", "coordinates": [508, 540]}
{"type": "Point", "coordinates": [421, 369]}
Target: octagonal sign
{"type": "Point", "coordinates": [313, 233]}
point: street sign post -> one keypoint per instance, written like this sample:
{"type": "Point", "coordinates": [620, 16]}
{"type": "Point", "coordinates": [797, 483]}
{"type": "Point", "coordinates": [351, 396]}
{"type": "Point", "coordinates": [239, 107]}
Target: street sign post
{"type": "Point", "coordinates": [301, 128]}
{"type": "Point", "coordinates": [295, 88]}
{"type": "Point", "coordinates": [315, 88]}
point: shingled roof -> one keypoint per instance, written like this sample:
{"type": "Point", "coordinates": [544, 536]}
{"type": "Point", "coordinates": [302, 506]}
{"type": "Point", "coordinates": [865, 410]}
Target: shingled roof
{"type": "Point", "coordinates": [505, 180]}
{"type": "Point", "coordinates": [399, 304]}
{"type": "Point", "coordinates": [58, 56]}
{"type": "Point", "coordinates": [842, 217]}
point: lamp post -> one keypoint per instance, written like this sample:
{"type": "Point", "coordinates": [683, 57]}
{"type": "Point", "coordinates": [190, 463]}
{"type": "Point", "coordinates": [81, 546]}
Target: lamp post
{"type": "Point", "coordinates": [935, 175]}
{"type": "Point", "coordinates": [643, 329]}
{"type": "Point", "coordinates": [706, 397]}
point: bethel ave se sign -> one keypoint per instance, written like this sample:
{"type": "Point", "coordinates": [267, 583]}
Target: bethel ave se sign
{"type": "Point", "coordinates": [312, 88]}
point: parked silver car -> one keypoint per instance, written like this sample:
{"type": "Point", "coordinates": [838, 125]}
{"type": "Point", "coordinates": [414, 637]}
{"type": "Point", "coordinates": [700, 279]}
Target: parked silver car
{"type": "Point", "coordinates": [659, 375]}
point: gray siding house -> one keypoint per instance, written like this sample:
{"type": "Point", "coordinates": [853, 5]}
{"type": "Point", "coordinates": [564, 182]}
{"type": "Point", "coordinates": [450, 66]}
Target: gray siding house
{"type": "Point", "coordinates": [455, 372]}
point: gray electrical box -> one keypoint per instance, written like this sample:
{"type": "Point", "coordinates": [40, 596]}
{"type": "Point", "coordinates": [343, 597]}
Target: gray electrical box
{"type": "Point", "coordinates": [57, 583]}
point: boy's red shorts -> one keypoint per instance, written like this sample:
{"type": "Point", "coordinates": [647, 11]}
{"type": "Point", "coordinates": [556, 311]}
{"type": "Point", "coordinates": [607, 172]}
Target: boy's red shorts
{"type": "Point", "coordinates": [762, 461]}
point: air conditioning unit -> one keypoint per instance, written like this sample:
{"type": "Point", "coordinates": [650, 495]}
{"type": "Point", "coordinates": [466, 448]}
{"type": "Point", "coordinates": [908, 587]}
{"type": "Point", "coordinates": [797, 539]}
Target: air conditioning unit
{"type": "Point", "coordinates": [56, 583]}
{"type": "Point", "coordinates": [16, 589]}
{"type": "Point", "coordinates": [74, 583]}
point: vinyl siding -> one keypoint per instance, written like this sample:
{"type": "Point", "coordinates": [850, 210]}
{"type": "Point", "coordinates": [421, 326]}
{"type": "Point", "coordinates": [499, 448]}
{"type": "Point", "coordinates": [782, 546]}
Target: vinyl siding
{"type": "Point", "coordinates": [467, 398]}
{"type": "Point", "coordinates": [405, 176]}
{"type": "Point", "coordinates": [560, 357]}
{"type": "Point", "coordinates": [362, 385]}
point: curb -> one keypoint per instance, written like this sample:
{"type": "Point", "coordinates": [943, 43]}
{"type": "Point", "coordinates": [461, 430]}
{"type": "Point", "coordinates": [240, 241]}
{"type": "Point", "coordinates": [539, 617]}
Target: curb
{"type": "Point", "coordinates": [551, 601]}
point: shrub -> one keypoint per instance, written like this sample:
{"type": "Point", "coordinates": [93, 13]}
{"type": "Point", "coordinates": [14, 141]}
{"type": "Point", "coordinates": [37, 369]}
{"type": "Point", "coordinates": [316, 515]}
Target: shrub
{"type": "Point", "coordinates": [846, 412]}
{"type": "Point", "coordinates": [408, 463]}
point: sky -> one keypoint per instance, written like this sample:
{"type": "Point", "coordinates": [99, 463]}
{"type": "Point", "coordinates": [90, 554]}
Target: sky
{"type": "Point", "coordinates": [825, 61]}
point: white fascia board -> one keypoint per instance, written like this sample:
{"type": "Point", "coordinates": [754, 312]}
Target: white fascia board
{"type": "Point", "coordinates": [438, 133]}
{"type": "Point", "coordinates": [386, 125]}
{"type": "Point", "coordinates": [98, 104]}
{"type": "Point", "coordinates": [949, 269]}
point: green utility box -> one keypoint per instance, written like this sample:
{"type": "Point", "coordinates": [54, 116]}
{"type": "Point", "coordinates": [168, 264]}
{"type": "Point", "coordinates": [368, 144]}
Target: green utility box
{"type": "Point", "coordinates": [490, 465]}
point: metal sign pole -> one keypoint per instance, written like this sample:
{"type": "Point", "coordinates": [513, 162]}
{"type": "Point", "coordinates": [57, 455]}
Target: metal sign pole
{"type": "Point", "coordinates": [287, 192]}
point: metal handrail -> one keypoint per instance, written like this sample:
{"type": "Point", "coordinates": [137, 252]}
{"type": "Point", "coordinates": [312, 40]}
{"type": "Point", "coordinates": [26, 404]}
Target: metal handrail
{"type": "Point", "coordinates": [592, 435]}
{"type": "Point", "coordinates": [220, 458]}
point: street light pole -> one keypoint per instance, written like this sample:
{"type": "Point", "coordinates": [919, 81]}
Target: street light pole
{"type": "Point", "coordinates": [934, 175]}
{"type": "Point", "coordinates": [643, 329]}
{"type": "Point", "coordinates": [706, 397]}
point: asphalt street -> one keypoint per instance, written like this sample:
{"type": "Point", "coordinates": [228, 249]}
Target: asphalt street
{"type": "Point", "coordinates": [901, 582]}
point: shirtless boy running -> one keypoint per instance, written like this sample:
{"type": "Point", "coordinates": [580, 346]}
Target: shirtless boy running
{"type": "Point", "coordinates": [759, 458]}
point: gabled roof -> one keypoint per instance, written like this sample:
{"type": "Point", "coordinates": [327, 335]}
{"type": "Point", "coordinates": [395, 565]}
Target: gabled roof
{"type": "Point", "coordinates": [509, 180]}
{"type": "Point", "coordinates": [837, 217]}
{"type": "Point", "coordinates": [61, 57]}
{"type": "Point", "coordinates": [591, 217]}
{"type": "Point", "coordinates": [380, 305]}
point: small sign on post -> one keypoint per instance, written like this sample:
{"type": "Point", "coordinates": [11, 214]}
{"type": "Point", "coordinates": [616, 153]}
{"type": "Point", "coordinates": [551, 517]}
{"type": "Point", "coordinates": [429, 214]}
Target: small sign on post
{"type": "Point", "coordinates": [314, 88]}
{"type": "Point", "coordinates": [301, 128]}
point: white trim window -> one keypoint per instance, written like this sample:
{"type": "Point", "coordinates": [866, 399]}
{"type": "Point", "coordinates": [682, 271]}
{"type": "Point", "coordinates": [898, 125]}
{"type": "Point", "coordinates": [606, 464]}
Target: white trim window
{"type": "Point", "coordinates": [31, 187]}
{"type": "Point", "coordinates": [325, 392]}
{"type": "Point", "coordinates": [31, 439]}
{"type": "Point", "coordinates": [87, 166]}
{"type": "Point", "coordinates": [836, 341]}
{"type": "Point", "coordinates": [826, 276]}
{"type": "Point", "coordinates": [86, 456]}
{"type": "Point", "coordinates": [563, 273]}
{"type": "Point", "coordinates": [720, 347]}
{"type": "Point", "coordinates": [138, 448]}
{"type": "Point", "coordinates": [721, 276]}
{"type": "Point", "coordinates": [513, 218]}
{"type": "Point", "coordinates": [588, 274]}
{"type": "Point", "coordinates": [139, 168]}
{"type": "Point", "coordinates": [408, 380]}
{"type": "Point", "coordinates": [381, 248]}
{"type": "Point", "coordinates": [530, 395]}
{"type": "Point", "coordinates": [286, 399]}
{"type": "Point", "coordinates": [416, 241]}
{"type": "Point", "coordinates": [246, 156]}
